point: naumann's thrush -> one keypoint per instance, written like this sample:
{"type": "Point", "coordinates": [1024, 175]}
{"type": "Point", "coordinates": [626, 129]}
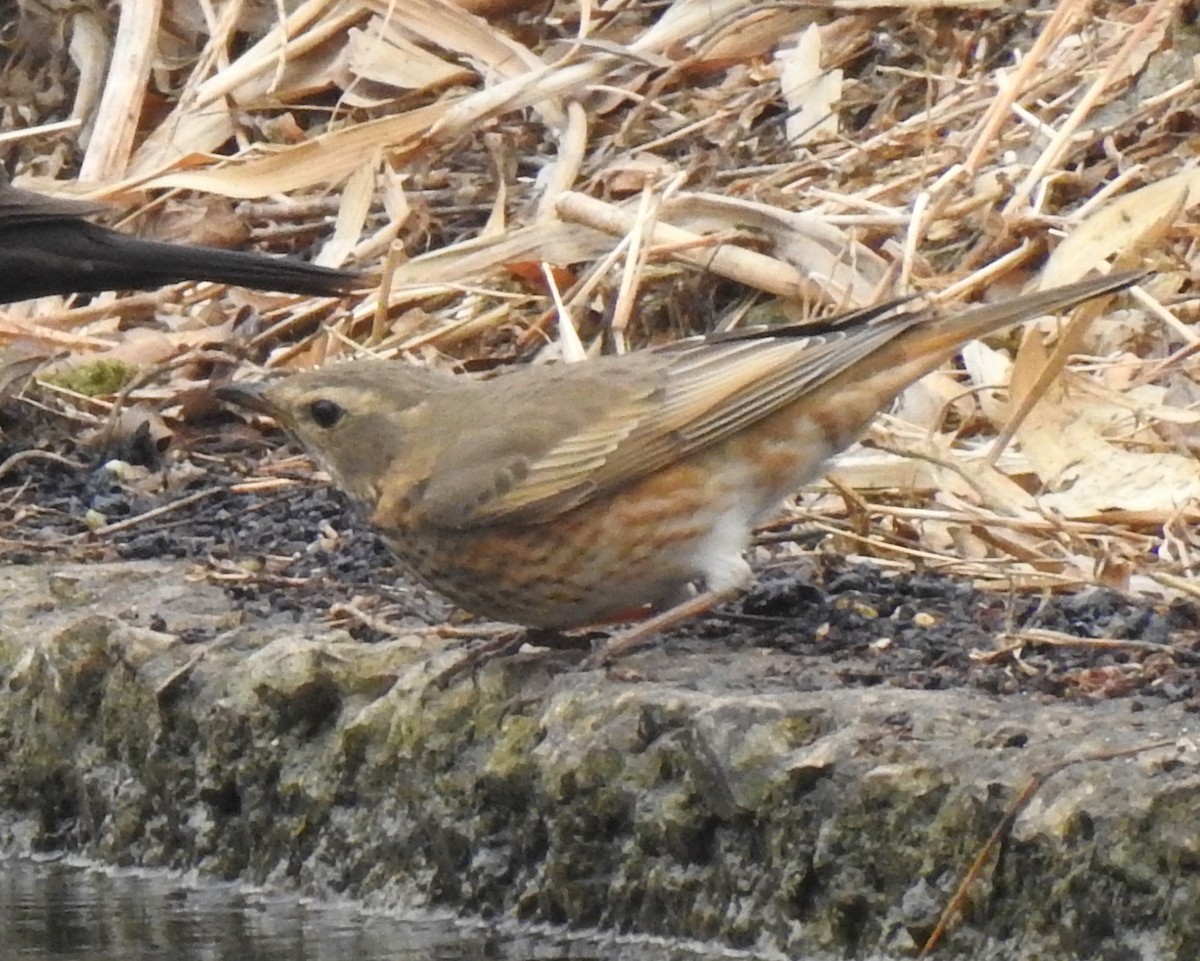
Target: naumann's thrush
{"type": "Point", "coordinates": [568, 495]}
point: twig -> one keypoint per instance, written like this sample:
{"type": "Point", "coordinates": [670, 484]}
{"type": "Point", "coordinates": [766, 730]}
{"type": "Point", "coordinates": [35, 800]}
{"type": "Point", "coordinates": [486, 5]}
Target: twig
{"type": "Point", "coordinates": [1015, 640]}
{"type": "Point", "coordinates": [150, 514]}
{"type": "Point", "coordinates": [33, 454]}
{"type": "Point", "coordinates": [955, 905]}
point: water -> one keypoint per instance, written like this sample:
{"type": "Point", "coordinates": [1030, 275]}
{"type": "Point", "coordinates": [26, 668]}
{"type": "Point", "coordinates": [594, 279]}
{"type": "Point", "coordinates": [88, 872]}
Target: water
{"type": "Point", "coordinates": [60, 910]}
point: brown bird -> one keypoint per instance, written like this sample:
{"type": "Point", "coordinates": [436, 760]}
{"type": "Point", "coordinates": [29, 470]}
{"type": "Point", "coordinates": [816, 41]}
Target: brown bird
{"type": "Point", "coordinates": [47, 247]}
{"type": "Point", "coordinates": [573, 494]}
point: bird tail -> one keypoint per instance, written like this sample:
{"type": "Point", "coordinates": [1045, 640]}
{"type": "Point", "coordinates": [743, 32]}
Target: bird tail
{"type": "Point", "coordinates": [942, 334]}
{"type": "Point", "coordinates": [259, 271]}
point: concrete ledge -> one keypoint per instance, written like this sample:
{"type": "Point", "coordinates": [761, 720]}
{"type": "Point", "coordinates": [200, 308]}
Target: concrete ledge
{"type": "Point", "coordinates": [711, 800]}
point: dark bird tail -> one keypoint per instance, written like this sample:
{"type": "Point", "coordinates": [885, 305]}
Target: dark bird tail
{"type": "Point", "coordinates": [77, 257]}
{"type": "Point", "coordinates": [46, 247]}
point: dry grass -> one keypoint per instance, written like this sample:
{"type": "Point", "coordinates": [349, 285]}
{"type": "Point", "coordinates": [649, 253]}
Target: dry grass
{"type": "Point", "coordinates": [553, 179]}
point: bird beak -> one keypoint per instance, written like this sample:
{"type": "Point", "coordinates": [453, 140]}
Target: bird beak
{"type": "Point", "coordinates": [248, 396]}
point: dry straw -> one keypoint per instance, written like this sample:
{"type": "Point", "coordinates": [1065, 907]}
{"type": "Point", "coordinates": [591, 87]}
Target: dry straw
{"type": "Point", "coordinates": [646, 169]}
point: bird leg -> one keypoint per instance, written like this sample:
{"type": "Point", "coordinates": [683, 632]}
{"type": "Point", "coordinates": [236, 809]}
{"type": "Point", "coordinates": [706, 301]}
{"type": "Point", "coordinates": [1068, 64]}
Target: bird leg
{"type": "Point", "coordinates": [507, 641]}
{"type": "Point", "coordinates": [622, 643]}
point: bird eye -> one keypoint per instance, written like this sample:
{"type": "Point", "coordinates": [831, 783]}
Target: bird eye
{"type": "Point", "coordinates": [325, 413]}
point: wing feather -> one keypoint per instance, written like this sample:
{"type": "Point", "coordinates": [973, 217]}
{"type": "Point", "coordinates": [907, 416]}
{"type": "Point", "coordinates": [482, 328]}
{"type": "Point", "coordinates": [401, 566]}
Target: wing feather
{"type": "Point", "coordinates": [632, 415]}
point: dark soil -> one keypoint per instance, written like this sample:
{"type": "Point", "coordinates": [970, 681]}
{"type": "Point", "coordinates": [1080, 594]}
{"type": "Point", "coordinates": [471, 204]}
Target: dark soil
{"type": "Point", "coordinates": [299, 553]}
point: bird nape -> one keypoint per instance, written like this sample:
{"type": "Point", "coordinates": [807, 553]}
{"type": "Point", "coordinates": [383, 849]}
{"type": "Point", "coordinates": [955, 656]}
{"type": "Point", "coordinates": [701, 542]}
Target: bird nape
{"type": "Point", "coordinates": [568, 495]}
{"type": "Point", "coordinates": [48, 247]}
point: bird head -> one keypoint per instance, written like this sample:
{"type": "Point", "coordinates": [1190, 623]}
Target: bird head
{"type": "Point", "coordinates": [357, 419]}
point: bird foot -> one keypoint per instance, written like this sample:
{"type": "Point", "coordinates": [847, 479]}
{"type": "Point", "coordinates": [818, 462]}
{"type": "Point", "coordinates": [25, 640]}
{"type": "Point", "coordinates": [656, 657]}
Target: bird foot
{"type": "Point", "coordinates": [509, 641]}
{"type": "Point", "coordinates": [505, 642]}
{"type": "Point", "coordinates": [617, 646]}
{"type": "Point", "coordinates": [622, 643]}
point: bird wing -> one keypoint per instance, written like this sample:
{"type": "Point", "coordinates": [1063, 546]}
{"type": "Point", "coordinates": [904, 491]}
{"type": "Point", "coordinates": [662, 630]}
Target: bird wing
{"type": "Point", "coordinates": [558, 436]}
